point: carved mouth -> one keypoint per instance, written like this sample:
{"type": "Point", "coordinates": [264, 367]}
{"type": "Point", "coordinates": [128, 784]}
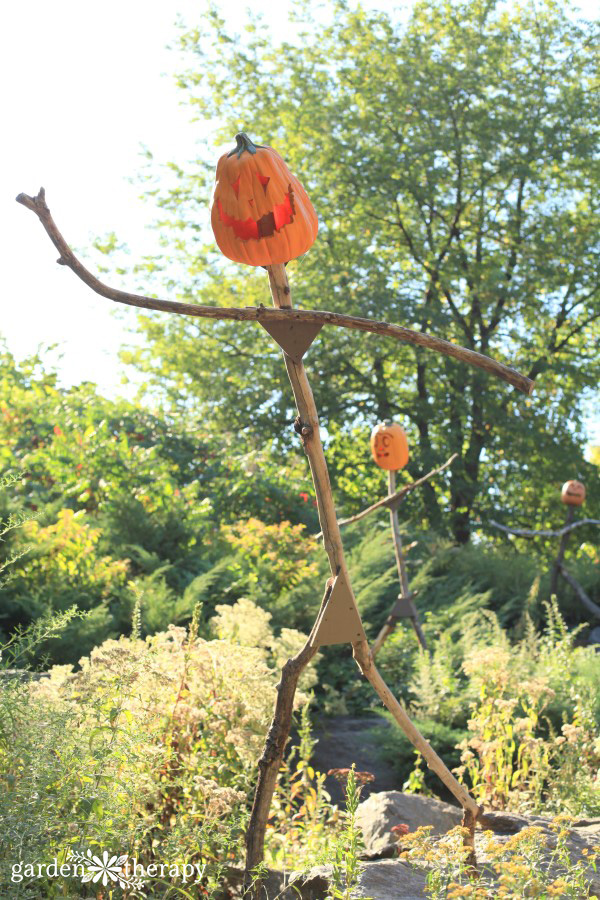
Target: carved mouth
{"type": "Point", "coordinates": [255, 229]}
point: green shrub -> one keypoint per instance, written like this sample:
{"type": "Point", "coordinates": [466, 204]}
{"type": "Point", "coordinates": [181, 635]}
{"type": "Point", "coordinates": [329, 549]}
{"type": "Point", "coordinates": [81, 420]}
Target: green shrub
{"type": "Point", "coordinates": [148, 750]}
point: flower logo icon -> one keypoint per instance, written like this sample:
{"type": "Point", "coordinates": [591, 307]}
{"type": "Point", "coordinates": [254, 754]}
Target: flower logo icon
{"type": "Point", "coordinates": [109, 868]}
{"type": "Point", "coordinates": [104, 868]}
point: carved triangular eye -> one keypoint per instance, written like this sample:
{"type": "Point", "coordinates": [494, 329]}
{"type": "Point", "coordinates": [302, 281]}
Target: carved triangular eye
{"type": "Point", "coordinates": [236, 185]}
{"type": "Point", "coordinates": [264, 180]}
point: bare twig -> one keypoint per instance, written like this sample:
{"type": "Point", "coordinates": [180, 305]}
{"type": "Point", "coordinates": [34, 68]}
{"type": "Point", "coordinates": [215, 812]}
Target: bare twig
{"type": "Point", "coordinates": [526, 532]}
{"type": "Point", "coordinates": [587, 602]}
{"type": "Point", "coordinates": [394, 500]}
{"type": "Point", "coordinates": [67, 258]}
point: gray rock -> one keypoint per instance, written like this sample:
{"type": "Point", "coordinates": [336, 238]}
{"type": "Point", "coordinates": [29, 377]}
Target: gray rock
{"type": "Point", "coordinates": [377, 815]}
{"type": "Point", "coordinates": [583, 835]}
{"type": "Point", "coordinates": [390, 879]}
{"type": "Point", "coordinates": [312, 885]}
{"type": "Point", "coordinates": [394, 879]}
{"type": "Point", "coordinates": [383, 880]}
{"type": "Point", "coordinates": [386, 879]}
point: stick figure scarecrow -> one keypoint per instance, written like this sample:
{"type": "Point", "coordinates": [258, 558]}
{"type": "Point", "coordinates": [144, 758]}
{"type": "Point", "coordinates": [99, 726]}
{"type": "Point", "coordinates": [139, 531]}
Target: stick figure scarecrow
{"type": "Point", "coordinates": [389, 449]}
{"type": "Point", "coordinates": [573, 496]}
{"type": "Point", "coordinates": [262, 216]}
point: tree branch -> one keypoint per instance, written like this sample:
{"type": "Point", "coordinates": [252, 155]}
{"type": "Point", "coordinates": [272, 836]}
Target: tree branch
{"type": "Point", "coordinates": [251, 313]}
{"type": "Point", "coordinates": [511, 264]}
{"type": "Point", "coordinates": [394, 500]}
{"type": "Point", "coordinates": [576, 330]}
{"type": "Point", "coordinates": [525, 532]}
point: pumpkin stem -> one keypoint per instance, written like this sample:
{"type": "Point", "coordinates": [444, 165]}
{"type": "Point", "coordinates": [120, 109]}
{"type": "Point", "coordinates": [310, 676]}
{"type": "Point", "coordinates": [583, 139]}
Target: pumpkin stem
{"type": "Point", "coordinates": [243, 142]}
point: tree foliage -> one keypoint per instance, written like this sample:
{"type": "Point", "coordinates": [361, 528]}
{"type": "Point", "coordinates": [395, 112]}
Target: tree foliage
{"type": "Point", "coordinates": [110, 499]}
{"type": "Point", "coordinates": [451, 159]}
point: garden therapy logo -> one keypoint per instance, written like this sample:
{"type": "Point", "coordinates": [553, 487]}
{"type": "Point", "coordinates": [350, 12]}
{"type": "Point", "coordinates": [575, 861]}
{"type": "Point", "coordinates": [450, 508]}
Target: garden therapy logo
{"type": "Point", "coordinates": [107, 869]}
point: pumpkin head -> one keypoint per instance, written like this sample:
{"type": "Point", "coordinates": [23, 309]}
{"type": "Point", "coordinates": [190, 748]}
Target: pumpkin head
{"type": "Point", "coordinates": [260, 213]}
{"type": "Point", "coordinates": [389, 446]}
{"type": "Point", "coordinates": [573, 493]}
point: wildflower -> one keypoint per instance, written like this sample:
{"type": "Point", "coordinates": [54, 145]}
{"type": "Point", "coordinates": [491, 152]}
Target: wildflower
{"type": "Point", "coordinates": [360, 778]}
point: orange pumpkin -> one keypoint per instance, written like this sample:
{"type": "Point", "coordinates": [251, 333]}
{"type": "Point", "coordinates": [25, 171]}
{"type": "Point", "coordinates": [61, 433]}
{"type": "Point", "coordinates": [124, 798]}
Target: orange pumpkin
{"type": "Point", "coordinates": [389, 446]}
{"type": "Point", "coordinates": [573, 493]}
{"type": "Point", "coordinates": [260, 213]}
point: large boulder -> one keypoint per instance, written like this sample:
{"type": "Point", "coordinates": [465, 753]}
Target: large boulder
{"type": "Point", "coordinates": [380, 812]}
{"type": "Point", "coordinates": [387, 879]}
{"type": "Point", "coordinates": [584, 834]}
{"type": "Point", "coordinates": [395, 879]}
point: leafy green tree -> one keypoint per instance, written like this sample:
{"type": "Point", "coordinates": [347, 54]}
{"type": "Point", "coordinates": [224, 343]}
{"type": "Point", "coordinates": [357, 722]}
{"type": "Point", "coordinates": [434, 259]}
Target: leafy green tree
{"type": "Point", "coordinates": [452, 160]}
{"type": "Point", "coordinates": [107, 492]}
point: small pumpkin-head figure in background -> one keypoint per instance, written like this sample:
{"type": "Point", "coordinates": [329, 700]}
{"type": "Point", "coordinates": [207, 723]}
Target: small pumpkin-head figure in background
{"type": "Point", "coordinates": [573, 493]}
{"type": "Point", "coordinates": [389, 446]}
{"type": "Point", "coordinates": [261, 214]}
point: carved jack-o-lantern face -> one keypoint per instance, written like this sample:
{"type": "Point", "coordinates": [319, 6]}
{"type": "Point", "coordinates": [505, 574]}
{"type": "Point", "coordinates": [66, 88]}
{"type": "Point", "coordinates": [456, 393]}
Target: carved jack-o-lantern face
{"type": "Point", "coordinates": [389, 446]}
{"type": "Point", "coordinates": [260, 214]}
{"type": "Point", "coordinates": [573, 493]}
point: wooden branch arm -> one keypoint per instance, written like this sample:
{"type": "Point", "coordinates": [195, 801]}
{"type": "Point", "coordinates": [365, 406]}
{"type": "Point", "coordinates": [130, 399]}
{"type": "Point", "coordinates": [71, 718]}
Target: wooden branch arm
{"type": "Point", "coordinates": [394, 500]}
{"type": "Point", "coordinates": [581, 594]}
{"type": "Point", "coordinates": [525, 532]}
{"type": "Point", "coordinates": [398, 332]}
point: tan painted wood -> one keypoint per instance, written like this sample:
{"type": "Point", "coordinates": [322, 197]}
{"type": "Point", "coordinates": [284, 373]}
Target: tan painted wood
{"type": "Point", "coordinates": [340, 622]}
{"type": "Point", "coordinates": [294, 338]}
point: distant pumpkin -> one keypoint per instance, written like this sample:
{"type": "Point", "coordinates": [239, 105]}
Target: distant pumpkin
{"type": "Point", "coordinates": [261, 214]}
{"type": "Point", "coordinates": [573, 493]}
{"type": "Point", "coordinates": [389, 446]}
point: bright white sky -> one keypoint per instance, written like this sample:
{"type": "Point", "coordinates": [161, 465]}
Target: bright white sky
{"type": "Point", "coordinates": [84, 85]}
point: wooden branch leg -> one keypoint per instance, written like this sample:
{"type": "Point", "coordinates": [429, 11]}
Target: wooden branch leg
{"type": "Point", "coordinates": [589, 604]}
{"type": "Point", "coordinates": [419, 632]}
{"type": "Point", "coordinates": [271, 759]}
{"type": "Point", "coordinates": [381, 638]}
{"type": "Point", "coordinates": [561, 553]}
{"type": "Point", "coordinates": [367, 666]}
{"type": "Point", "coordinates": [268, 769]}
{"type": "Point", "coordinates": [469, 821]}
{"type": "Point", "coordinates": [401, 563]}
